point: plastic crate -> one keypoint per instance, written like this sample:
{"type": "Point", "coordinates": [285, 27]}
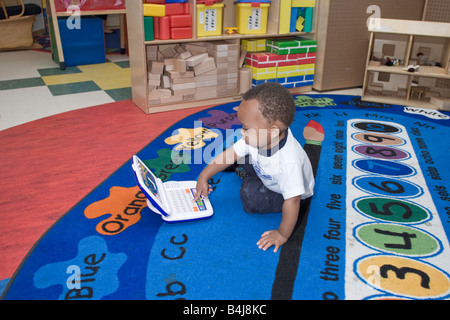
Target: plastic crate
{"type": "Point", "coordinates": [251, 17]}
{"type": "Point", "coordinates": [209, 19]}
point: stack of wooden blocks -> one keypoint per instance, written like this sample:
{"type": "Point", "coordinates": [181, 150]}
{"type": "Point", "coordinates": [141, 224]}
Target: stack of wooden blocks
{"type": "Point", "coordinates": [290, 62]}
{"type": "Point", "coordinates": [192, 71]}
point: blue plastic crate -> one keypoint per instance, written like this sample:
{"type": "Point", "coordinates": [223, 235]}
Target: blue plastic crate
{"type": "Point", "coordinates": [83, 45]}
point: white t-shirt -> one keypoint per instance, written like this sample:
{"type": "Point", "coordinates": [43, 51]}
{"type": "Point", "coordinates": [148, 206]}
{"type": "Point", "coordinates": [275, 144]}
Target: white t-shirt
{"type": "Point", "coordinates": [286, 171]}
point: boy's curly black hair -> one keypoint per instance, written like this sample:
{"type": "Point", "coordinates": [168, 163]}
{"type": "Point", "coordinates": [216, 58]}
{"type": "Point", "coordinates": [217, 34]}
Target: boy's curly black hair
{"type": "Point", "coordinates": [275, 101]}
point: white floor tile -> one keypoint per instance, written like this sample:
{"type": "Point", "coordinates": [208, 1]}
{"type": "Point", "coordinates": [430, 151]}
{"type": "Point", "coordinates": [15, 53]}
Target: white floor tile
{"type": "Point", "coordinates": [20, 106]}
{"type": "Point", "coordinates": [24, 64]}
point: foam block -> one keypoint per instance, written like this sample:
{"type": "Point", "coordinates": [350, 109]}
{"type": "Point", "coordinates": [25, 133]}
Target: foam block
{"type": "Point", "coordinates": [164, 28]}
{"type": "Point", "coordinates": [181, 33]}
{"type": "Point", "coordinates": [303, 3]}
{"type": "Point", "coordinates": [172, 9]}
{"type": "Point", "coordinates": [148, 29]}
{"type": "Point", "coordinates": [156, 27]}
{"type": "Point", "coordinates": [154, 10]}
{"type": "Point", "coordinates": [179, 21]}
{"type": "Point", "coordinates": [308, 19]}
{"type": "Point", "coordinates": [293, 23]}
{"type": "Point", "coordinates": [285, 16]}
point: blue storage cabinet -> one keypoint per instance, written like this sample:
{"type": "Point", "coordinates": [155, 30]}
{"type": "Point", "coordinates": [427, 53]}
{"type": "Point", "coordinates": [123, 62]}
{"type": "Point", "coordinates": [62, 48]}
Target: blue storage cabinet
{"type": "Point", "coordinates": [83, 45]}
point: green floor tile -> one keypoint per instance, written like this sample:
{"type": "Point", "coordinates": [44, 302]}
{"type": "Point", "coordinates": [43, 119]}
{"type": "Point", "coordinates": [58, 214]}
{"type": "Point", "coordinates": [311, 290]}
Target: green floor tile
{"type": "Point", "coordinates": [120, 94]}
{"type": "Point", "coordinates": [21, 83]}
{"type": "Point", "coordinates": [123, 64]}
{"type": "Point", "coordinates": [58, 71]}
{"type": "Point", "coordinates": [70, 88]}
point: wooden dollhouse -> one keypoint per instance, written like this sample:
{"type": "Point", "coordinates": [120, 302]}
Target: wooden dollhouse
{"type": "Point", "coordinates": [408, 63]}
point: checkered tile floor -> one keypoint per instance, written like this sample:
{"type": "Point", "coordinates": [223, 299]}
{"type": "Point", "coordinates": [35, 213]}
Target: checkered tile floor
{"type": "Point", "coordinates": [32, 86]}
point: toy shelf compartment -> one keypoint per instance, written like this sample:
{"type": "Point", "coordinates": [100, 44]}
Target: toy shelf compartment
{"type": "Point", "coordinates": [229, 21]}
{"type": "Point", "coordinates": [397, 71]}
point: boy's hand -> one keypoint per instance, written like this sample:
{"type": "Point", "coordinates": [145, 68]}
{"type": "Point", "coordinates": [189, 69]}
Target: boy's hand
{"type": "Point", "coordinates": [271, 238]}
{"type": "Point", "coordinates": [202, 190]}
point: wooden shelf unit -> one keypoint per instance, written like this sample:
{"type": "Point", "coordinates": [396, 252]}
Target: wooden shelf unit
{"type": "Point", "coordinates": [138, 58]}
{"type": "Point", "coordinates": [394, 85]}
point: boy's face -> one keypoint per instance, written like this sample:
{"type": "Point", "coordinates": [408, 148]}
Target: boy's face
{"type": "Point", "coordinates": [256, 131]}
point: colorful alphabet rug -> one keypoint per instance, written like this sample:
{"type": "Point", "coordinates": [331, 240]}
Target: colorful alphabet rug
{"type": "Point", "coordinates": [377, 228]}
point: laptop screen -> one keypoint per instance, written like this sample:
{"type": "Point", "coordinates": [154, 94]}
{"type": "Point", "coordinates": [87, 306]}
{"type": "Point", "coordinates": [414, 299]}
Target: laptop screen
{"type": "Point", "coordinates": [149, 180]}
{"type": "Point", "coordinates": [150, 187]}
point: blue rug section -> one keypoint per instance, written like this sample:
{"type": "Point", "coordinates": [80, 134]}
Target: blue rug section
{"type": "Point", "coordinates": [3, 284]}
{"type": "Point", "coordinates": [110, 246]}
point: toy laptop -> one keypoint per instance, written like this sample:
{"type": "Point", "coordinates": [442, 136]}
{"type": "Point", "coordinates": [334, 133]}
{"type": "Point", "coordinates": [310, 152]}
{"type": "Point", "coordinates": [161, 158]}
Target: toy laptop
{"type": "Point", "coordinates": [173, 200]}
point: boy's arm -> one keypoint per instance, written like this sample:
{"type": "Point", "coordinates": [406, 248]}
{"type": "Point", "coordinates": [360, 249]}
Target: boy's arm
{"type": "Point", "coordinates": [219, 163]}
{"type": "Point", "coordinates": [277, 238]}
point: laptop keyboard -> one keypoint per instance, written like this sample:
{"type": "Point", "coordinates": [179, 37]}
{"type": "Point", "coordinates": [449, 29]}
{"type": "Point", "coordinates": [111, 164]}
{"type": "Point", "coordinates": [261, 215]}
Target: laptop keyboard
{"type": "Point", "coordinates": [182, 200]}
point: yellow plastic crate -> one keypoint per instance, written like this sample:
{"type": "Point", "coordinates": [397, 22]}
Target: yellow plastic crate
{"type": "Point", "coordinates": [252, 19]}
{"type": "Point", "coordinates": [209, 19]}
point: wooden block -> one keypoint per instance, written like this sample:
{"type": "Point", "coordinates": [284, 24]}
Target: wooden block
{"type": "Point", "coordinates": [440, 103]}
{"type": "Point", "coordinates": [195, 60]}
{"type": "Point", "coordinates": [195, 49]}
{"type": "Point", "coordinates": [187, 97]}
{"type": "Point", "coordinates": [157, 67]}
{"type": "Point", "coordinates": [207, 76]}
{"type": "Point", "coordinates": [245, 83]}
{"type": "Point", "coordinates": [165, 82]}
{"type": "Point", "coordinates": [206, 62]}
{"type": "Point", "coordinates": [176, 75]}
{"type": "Point", "coordinates": [183, 92]}
{"type": "Point", "coordinates": [164, 92]}
{"type": "Point", "coordinates": [182, 86]}
{"type": "Point", "coordinates": [154, 82]}
{"type": "Point", "coordinates": [154, 97]}
{"type": "Point", "coordinates": [167, 52]}
{"type": "Point", "coordinates": [171, 99]}
{"type": "Point", "coordinates": [185, 55]}
{"type": "Point", "coordinates": [183, 80]}
{"type": "Point", "coordinates": [208, 83]}
{"type": "Point", "coordinates": [152, 53]}
{"type": "Point", "coordinates": [179, 49]}
{"type": "Point", "coordinates": [204, 66]}
{"type": "Point", "coordinates": [180, 65]}
{"type": "Point", "coordinates": [169, 64]}
{"type": "Point", "coordinates": [202, 94]}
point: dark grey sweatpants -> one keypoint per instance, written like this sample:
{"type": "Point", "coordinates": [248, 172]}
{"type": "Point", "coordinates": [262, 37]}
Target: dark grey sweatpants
{"type": "Point", "coordinates": [256, 198]}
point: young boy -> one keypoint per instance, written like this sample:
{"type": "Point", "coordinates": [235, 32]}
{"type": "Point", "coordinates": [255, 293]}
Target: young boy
{"type": "Point", "coordinates": [280, 176]}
